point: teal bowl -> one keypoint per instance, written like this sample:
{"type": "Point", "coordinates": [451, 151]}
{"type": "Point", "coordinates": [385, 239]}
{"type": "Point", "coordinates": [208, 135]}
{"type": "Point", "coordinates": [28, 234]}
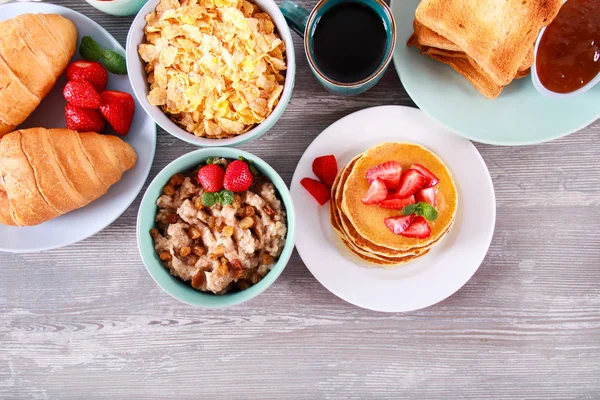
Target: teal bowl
{"type": "Point", "coordinates": [183, 291]}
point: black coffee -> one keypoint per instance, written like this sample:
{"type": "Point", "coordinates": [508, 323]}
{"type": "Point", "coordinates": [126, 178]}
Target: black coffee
{"type": "Point", "coordinates": [349, 42]}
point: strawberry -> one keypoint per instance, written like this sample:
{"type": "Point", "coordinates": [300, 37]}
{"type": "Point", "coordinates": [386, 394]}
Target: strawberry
{"type": "Point", "coordinates": [82, 94]}
{"type": "Point", "coordinates": [411, 182]}
{"type": "Point", "coordinates": [325, 168]}
{"type": "Point", "coordinates": [430, 178]}
{"type": "Point", "coordinates": [90, 71]}
{"type": "Point", "coordinates": [238, 177]}
{"type": "Point", "coordinates": [427, 195]}
{"type": "Point", "coordinates": [397, 204]}
{"type": "Point", "coordinates": [377, 192]}
{"type": "Point", "coordinates": [118, 108]}
{"type": "Point", "coordinates": [389, 172]}
{"type": "Point", "coordinates": [399, 224]}
{"type": "Point", "coordinates": [317, 189]}
{"type": "Point", "coordinates": [83, 119]}
{"type": "Point", "coordinates": [211, 177]}
{"type": "Point", "coordinates": [419, 229]}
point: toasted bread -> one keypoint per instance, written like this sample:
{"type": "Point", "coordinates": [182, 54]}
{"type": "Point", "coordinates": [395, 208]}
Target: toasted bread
{"type": "Point", "coordinates": [497, 35]}
{"type": "Point", "coordinates": [428, 37]}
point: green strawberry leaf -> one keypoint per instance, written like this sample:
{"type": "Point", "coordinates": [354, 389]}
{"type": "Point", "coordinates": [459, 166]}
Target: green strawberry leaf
{"type": "Point", "coordinates": [209, 161]}
{"type": "Point", "coordinates": [409, 209]}
{"type": "Point", "coordinates": [209, 199]}
{"type": "Point", "coordinates": [114, 62]}
{"type": "Point", "coordinates": [90, 49]}
{"type": "Point", "coordinates": [251, 166]}
{"type": "Point", "coordinates": [226, 197]}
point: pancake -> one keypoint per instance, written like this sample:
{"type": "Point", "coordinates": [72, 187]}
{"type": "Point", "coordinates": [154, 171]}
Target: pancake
{"type": "Point", "coordinates": [378, 260]}
{"type": "Point", "coordinates": [353, 235]}
{"type": "Point", "coordinates": [368, 221]}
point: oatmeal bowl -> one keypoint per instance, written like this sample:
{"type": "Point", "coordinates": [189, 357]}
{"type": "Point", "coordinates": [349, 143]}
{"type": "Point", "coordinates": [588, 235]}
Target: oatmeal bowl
{"type": "Point", "coordinates": [216, 227]}
{"type": "Point", "coordinates": [213, 73]}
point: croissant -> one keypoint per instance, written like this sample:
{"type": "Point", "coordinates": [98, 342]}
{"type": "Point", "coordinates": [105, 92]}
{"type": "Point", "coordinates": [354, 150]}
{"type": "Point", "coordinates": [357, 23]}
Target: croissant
{"type": "Point", "coordinates": [45, 173]}
{"type": "Point", "coordinates": [34, 51]}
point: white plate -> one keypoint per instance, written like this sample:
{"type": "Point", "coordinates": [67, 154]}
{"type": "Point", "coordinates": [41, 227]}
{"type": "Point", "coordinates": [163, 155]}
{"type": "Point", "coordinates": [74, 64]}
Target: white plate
{"type": "Point", "coordinates": [428, 280]}
{"type": "Point", "coordinates": [85, 222]}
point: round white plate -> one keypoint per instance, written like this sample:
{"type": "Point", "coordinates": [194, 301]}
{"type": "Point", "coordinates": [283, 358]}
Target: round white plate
{"type": "Point", "coordinates": [85, 222]}
{"type": "Point", "coordinates": [435, 276]}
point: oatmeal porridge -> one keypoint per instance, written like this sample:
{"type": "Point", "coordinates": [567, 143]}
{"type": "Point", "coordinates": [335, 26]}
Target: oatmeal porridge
{"type": "Point", "coordinates": [222, 247]}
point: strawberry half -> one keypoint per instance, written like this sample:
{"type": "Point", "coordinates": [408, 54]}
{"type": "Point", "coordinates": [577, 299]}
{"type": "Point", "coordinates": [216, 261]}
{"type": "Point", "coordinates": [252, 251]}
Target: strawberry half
{"type": "Point", "coordinates": [317, 189]}
{"type": "Point", "coordinates": [83, 119]}
{"type": "Point", "coordinates": [211, 177]}
{"type": "Point", "coordinates": [397, 204]}
{"type": "Point", "coordinates": [399, 224]}
{"type": "Point", "coordinates": [389, 172]}
{"type": "Point", "coordinates": [430, 178]}
{"type": "Point", "coordinates": [412, 181]}
{"type": "Point", "coordinates": [82, 94]}
{"type": "Point", "coordinates": [118, 108]}
{"type": "Point", "coordinates": [427, 195]}
{"type": "Point", "coordinates": [238, 177]}
{"type": "Point", "coordinates": [325, 168]}
{"type": "Point", "coordinates": [89, 71]}
{"type": "Point", "coordinates": [419, 228]}
{"type": "Point", "coordinates": [377, 193]}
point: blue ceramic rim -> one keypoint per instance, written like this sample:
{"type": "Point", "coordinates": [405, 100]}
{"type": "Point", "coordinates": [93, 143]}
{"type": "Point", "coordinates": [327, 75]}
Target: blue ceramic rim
{"type": "Point", "coordinates": [390, 26]}
{"type": "Point", "coordinates": [175, 287]}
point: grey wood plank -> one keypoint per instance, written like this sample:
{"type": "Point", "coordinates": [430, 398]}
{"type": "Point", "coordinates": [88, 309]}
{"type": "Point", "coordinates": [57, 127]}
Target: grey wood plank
{"type": "Point", "coordinates": [88, 321]}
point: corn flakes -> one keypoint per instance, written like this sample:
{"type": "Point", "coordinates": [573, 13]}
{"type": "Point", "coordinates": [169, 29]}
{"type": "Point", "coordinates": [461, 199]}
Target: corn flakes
{"type": "Point", "coordinates": [216, 67]}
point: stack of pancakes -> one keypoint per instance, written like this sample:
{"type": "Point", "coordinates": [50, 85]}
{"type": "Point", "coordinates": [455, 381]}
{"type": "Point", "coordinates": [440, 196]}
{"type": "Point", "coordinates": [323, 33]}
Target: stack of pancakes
{"type": "Point", "coordinates": [362, 228]}
{"type": "Point", "coordinates": [489, 42]}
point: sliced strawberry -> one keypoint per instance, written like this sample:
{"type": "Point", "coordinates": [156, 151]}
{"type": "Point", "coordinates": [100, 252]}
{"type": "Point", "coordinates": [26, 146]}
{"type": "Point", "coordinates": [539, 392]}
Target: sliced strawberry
{"type": "Point", "coordinates": [389, 172]}
{"type": "Point", "coordinates": [90, 71]}
{"type": "Point", "coordinates": [427, 195]}
{"type": "Point", "coordinates": [430, 178]}
{"type": "Point", "coordinates": [419, 229]}
{"type": "Point", "coordinates": [397, 204]}
{"type": "Point", "coordinates": [118, 108]}
{"type": "Point", "coordinates": [377, 192]}
{"type": "Point", "coordinates": [317, 189]}
{"type": "Point", "coordinates": [399, 224]}
{"type": "Point", "coordinates": [412, 181]}
{"type": "Point", "coordinates": [325, 168]}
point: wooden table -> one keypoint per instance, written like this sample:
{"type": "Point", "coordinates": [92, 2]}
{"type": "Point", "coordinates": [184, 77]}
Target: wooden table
{"type": "Point", "coordinates": [87, 321]}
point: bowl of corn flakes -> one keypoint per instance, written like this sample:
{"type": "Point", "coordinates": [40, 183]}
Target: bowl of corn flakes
{"type": "Point", "coordinates": [212, 72]}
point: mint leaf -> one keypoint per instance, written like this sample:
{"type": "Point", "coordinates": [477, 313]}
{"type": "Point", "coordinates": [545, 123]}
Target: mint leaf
{"type": "Point", "coordinates": [90, 49]}
{"type": "Point", "coordinates": [226, 197]}
{"type": "Point", "coordinates": [114, 62]}
{"type": "Point", "coordinates": [409, 209]}
{"type": "Point", "coordinates": [428, 211]}
{"type": "Point", "coordinates": [208, 199]}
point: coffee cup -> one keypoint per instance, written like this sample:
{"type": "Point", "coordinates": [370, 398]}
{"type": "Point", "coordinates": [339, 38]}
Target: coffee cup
{"type": "Point", "coordinates": [348, 43]}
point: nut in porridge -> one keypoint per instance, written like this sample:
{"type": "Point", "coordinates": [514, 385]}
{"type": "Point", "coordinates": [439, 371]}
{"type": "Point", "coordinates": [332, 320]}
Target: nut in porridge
{"type": "Point", "coordinates": [215, 67]}
{"type": "Point", "coordinates": [168, 190]}
{"type": "Point", "coordinates": [185, 251]}
{"type": "Point", "coordinates": [194, 233]}
{"type": "Point", "coordinates": [165, 256]}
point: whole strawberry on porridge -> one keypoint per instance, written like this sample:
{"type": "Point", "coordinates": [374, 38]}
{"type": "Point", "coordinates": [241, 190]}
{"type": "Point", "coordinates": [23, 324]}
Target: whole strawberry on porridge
{"type": "Point", "coordinates": [220, 227]}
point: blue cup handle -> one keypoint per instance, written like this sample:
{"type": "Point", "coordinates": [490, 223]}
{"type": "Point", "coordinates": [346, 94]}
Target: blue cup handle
{"type": "Point", "coordinates": [295, 15]}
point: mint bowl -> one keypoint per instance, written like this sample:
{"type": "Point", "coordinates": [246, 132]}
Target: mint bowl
{"type": "Point", "coordinates": [179, 289]}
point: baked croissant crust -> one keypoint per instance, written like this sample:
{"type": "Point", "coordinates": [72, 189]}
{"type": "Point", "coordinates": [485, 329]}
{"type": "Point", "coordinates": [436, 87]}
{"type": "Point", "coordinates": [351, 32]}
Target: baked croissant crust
{"type": "Point", "coordinates": [45, 173]}
{"type": "Point", "coordinates": [35, 49]}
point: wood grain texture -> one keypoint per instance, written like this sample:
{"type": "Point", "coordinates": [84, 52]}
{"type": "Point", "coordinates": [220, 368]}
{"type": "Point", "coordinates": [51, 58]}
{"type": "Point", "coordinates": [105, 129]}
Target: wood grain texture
{"type": "Point", "coordinates": [87, 321]}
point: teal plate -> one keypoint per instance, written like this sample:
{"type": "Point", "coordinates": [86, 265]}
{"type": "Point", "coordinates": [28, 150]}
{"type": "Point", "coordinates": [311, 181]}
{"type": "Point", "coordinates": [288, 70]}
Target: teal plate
{"type": "Point", "coordinates": [519, 116]}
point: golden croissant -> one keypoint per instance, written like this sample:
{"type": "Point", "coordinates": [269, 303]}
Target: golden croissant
{"type": "Point", "coordinates": [45, 173]}
{"type": "Point", "coordinates": [34, 51]}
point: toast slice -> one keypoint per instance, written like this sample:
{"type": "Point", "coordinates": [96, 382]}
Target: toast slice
{"type": "Point", "coordinates": [497, 35]}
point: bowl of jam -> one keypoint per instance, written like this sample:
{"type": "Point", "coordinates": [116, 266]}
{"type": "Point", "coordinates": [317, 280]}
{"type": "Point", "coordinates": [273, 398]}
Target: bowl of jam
{"type": "Point", "coordinates": [567, 52]}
